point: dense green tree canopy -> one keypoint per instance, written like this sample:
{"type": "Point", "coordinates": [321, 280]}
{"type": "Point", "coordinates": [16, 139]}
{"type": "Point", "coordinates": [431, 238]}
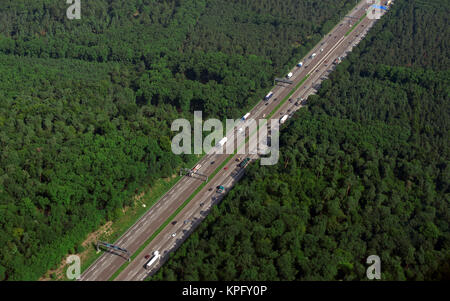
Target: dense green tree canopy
{"type": "Point", "coordinates": [86, 105]}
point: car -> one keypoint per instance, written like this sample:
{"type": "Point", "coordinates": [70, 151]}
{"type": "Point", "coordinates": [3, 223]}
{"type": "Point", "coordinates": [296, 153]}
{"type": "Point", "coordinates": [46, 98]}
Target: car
{"type": "Point", "coordinates": [226, 168]}
{"type": "Point", "coordinates": [174, 223]}
{"type": "Point", "coordinates": [147, 256]}
{"type": "Point", "coordinates": [210, 189]}
{"type": "Point", "coordinates": [174, 234]}
{"type": "Point", "coordinates": [212, 162]}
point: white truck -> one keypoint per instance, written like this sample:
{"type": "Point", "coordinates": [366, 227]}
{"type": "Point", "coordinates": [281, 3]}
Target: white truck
{"type": "Point", "coordinates": [283, 119]}
{"type": "Point", "coordinates": [222, 141]}
{"type": "Point", "coordinates": [155, 257]}
{"type": "Point", "coordinates": [268, 96]}
{"type": "Point", "coordinates": [196, 168]}
{"type": "Point", "coordinates": [289, 75]}
{"type": "Point", "coordinates": [245, 116]}
{"type": "Point", "coordinates": [300, 64]}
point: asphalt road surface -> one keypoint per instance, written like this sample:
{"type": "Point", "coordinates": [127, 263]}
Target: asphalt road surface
{"type": "Point", "coordinates": [333, 45]}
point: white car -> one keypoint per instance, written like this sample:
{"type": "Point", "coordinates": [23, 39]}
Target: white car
{"type": "Point", "coordinates": [174, 234]}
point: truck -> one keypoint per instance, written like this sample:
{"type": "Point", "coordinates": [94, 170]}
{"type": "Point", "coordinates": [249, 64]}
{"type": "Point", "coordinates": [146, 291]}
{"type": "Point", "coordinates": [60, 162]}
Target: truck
{"type": "Point", "coordinates": [300, 64]}
{"type": "Point", "coordinates": [155, 257]}
{"type": "Point", "coordinates": [268, 96]}
{"type": "Point", "coordinates": [220, 189]}
{"type": "Point", "coordinates": [244, 162]}
{"type": "Point", "coordinates": [289, 75]}
{"type": "Point", "coordinates": [196, 168]}
{"type": "Point", "coordinates": [245, 116]}
{"type": "Point", "coordinates": [283, 119]}
{"type": "Point", "coordinates": [222, 141]}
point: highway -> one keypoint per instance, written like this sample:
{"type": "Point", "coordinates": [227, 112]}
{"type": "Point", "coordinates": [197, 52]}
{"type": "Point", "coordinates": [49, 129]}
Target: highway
{"type": "Point", "coordinates": [334, 45]}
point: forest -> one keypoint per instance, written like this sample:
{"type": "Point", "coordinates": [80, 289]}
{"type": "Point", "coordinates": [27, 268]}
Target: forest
{"type": "Point", "coordinates": [364, 170]}
{"type": "Point", "coordinates": [86, 105]}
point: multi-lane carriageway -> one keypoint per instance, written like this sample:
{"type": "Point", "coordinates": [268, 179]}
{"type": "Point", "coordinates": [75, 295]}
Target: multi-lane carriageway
{"type": "Point", "coordinates": [333, 45]}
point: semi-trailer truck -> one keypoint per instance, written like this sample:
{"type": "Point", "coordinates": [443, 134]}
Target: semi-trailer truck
{"type": "Point", "coordinates": [244, 162]}
{"type": "Point", "coordinates": [268, 96]}
{"type": "Point", "coordinates": [283, 119]}
{"type": "Point", "coordinates": [245, 116]}
{"type": "Point", "coordinates": [155, 257]}
{"type": "Point", "coordinates": [196, 168]}
{"type": "Point", "coordinates": [222, 141]}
